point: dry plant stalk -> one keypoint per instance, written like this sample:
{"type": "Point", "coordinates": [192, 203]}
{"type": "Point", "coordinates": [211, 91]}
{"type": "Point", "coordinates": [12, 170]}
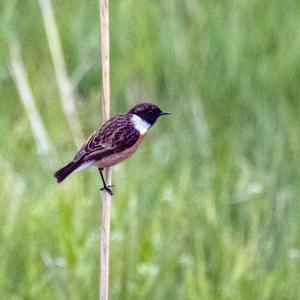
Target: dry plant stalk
{"type": "Point", "coordinates": [105, 226]}
{"type": "Point", "coordinates": [66, 89]}
{"type": "Point", "coordinates": [40, 134]}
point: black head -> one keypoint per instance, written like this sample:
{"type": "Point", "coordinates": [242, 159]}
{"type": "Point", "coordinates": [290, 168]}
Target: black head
{"type": "Point", "coordinates": [148, 112]}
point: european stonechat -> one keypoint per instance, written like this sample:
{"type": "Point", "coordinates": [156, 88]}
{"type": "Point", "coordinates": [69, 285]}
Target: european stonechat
{"type": "Point", "coordinates": [115, 141]}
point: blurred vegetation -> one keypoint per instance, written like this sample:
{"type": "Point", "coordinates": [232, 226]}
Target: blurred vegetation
{"type": "Point", "coordinates": [209, 207]}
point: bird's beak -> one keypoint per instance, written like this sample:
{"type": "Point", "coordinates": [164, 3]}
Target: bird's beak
{"type": "Point", "coordinates": [164, 113]}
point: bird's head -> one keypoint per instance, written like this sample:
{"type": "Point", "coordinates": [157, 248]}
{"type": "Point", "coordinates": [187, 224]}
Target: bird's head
{"type": "Point", "coordinates": [148, 112]}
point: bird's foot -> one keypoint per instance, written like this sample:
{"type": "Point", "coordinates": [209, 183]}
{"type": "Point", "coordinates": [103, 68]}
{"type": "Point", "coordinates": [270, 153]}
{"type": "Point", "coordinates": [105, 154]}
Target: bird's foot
{"type": "Point", "coordinates": [107, 188]}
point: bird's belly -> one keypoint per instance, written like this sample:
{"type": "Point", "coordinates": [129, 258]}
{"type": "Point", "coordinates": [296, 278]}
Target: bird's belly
{"type": "Point", "coordinates": [116, 158]}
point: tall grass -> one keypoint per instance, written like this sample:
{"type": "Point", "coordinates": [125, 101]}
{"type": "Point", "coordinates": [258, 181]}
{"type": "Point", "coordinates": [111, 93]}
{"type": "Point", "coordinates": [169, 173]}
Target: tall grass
{"type": "Point", "coordinates": [208, 207]}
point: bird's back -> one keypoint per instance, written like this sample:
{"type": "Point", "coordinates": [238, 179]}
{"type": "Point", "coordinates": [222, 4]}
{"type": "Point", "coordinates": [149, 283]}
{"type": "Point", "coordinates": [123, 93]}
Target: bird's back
{"type": "Point", "coordinates": [115, 136]}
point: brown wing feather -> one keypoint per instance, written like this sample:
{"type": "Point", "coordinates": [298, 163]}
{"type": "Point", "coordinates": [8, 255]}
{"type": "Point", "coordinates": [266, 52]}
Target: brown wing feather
{"type": "Point", "coordinates": [116, 135]}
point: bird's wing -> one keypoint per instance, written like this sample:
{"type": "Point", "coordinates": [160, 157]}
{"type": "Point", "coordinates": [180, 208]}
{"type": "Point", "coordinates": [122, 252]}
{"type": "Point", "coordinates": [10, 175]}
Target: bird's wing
{"type": "Point", "coordinates": [116, 135]}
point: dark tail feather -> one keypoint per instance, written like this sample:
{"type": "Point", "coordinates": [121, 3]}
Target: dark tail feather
{"type": "Point", "coordinates": [65, 171]}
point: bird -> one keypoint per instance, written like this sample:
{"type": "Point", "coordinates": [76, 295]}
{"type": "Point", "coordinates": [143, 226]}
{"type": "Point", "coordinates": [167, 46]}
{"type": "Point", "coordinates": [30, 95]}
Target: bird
{"type": "Point", "coordinates": [115, 141]}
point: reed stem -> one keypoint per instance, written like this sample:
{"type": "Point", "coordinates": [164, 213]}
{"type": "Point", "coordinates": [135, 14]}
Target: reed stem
{"type": "Point", "coordinates": [105, 226]}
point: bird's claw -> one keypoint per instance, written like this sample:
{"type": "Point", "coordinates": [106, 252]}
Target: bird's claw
{"type": "Point", "coordinates": [107, 188]}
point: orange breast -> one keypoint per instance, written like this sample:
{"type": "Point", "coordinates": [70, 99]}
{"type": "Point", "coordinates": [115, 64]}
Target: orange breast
{"type": "Point", "coordinates": [116, 158]}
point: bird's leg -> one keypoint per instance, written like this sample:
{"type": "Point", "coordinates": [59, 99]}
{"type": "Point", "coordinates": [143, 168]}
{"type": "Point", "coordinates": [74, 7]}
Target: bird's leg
{"type": "Point", "coordinates": [105, 187]}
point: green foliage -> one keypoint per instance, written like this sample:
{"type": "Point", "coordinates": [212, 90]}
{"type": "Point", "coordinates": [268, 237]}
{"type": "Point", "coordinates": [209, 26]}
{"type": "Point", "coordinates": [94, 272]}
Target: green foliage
{"type": "Point", "coordinates": [208, 207]}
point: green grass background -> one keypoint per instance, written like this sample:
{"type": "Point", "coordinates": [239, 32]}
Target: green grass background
{"type": "Point", "coordinates": [209, 207]}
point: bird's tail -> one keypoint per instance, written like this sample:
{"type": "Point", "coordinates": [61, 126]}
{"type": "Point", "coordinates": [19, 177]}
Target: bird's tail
{"type": "Point", "coordinates": [65, 171]}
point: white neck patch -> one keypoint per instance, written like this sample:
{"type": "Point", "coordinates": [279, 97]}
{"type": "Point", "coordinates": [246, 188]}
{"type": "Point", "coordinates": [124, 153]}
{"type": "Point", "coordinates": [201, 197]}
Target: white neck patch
{"type": "Point", "coordinates": [139, 124]}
